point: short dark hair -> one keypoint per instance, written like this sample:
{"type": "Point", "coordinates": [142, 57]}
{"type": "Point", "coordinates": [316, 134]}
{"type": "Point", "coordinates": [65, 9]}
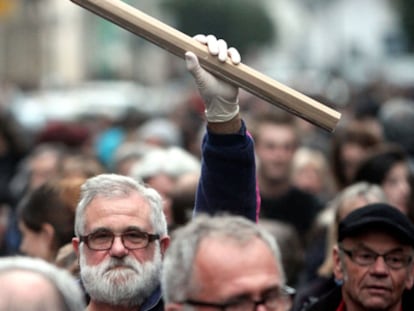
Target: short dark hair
{"type": "Point", "coordinates": [54, 203]}
{"type": "Point", "coordinates": [376, 166]}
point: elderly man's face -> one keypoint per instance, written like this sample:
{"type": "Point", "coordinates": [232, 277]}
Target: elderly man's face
{"type": "Point", "coordinates": [375, 286]}
{"type": "Point", "coordinates": [118, 275]}
{"type": "Point", "coordinates": [229, 273]}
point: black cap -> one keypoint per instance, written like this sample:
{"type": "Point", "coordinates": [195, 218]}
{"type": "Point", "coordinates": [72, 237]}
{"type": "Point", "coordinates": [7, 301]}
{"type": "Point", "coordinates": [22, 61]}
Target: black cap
{"type": "Point", "coordinates": [378, 216]}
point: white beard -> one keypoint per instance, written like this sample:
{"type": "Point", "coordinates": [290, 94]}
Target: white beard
{"type": "Point", "coordinates": [127, 285]}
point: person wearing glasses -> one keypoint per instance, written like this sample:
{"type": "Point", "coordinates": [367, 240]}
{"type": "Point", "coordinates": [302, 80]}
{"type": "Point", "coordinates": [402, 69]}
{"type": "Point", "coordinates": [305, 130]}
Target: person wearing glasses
{"type": "Point", "coordinates": [121, 231]}
{"type": "Point", "coordinates": [224, 263]}
{"type": "Point", "coordinates": [373, 260]}
{"type": "Point", "coordinates": [121, 234]}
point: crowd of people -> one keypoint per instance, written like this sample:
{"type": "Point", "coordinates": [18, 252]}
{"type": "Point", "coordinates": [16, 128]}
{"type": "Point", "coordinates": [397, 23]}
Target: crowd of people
{"type": "Point", "coordinates": [216, 206]}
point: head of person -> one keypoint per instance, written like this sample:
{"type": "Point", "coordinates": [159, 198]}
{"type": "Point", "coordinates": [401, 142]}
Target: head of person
{"type": "Point", "coordinates": [354, 196]}
{"type": "Point", "coordinates": [81, 165]}
{"type": "Point", "coordinates": [388, 167]}
{"type": "Point", "coordinates": [46, 217]}
{"type": "Point", "coordinates": [312, 173]}
{"type": "Point", "coordinates": [350, 145]}
{"type": "Point", "coordinates": [161, 168]}
{"type": "Point", "coordinates": [44, 163]}
{"type": "Point", "coordinates": [374, 257]}
{"type": "Point", "coordinates": [32, 284]}
{"type": "Point", "coordinates": [396, 116]}
{"type": "Point", "coordinates": [121, 236]}
{"type": "Point", "coordinates": [276, 139]}
{"type": "Point", "coordinates": [224, 262]}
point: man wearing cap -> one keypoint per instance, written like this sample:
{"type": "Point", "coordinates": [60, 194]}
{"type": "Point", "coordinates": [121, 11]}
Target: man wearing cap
{"type": "Point", "coordinates": [373, 260]}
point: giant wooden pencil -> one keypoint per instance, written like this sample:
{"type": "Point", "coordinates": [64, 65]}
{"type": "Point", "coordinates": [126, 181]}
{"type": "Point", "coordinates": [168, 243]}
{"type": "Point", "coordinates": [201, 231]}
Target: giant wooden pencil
{"type": "Point", "coordinates": [241, 75]}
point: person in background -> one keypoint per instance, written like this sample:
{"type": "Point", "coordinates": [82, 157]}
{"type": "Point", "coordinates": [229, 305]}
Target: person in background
{"type": "Point", "coordinates": [396, 117]}
{"type": "Point", "coordinates": [13, 149]}
{"type": "Point", "coordinates": [389, 168]}
{"type": "Point", "coordinates": [350, 145]}
{"type": "Point", "coordinates": [373, 261]}
{"type": "Point", "coordinates": [290, 247]}
{"type": "Point", "coordinates": [46, 217]}
{"type": "Point", "coordinates": [161, 168]}
{"type": "Point", "coordinates": [312, 173]}
{"type": "Point", "coordinates": [276, 141]}
{"type": "Point", "coordinates": [43, 163]}
{"type": "Point", "coordinates": [183, 198]}
{"type": "Point", "coordinates": [81, 165]}
{"type": "Point", "coordinates": [30, 284]}
{"type": "Point", "coordinates": [226, 263]}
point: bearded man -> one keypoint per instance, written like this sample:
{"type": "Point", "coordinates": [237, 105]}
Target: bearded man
{"type": "Point", "coordinates": [121, 235]}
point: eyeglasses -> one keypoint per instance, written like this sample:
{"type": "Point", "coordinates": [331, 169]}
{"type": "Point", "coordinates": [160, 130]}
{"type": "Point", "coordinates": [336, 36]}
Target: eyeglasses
{"type": "Point", "coordinates": [275, 300]}
{"type": "Point", "coordinates": [132, 239]}
{"type": "Point", "coordinates": [364, 257]}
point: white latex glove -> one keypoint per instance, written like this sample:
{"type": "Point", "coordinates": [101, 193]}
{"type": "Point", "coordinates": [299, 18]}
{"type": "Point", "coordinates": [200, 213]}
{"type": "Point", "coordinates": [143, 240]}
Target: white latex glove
{"type": "Point", "coordinates": [220, 98]}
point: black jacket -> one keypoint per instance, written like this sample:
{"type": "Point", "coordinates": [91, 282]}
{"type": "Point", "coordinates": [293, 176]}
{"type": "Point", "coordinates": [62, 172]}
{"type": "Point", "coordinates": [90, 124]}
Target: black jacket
{"type": "Point", "coordinates": [331, 301]}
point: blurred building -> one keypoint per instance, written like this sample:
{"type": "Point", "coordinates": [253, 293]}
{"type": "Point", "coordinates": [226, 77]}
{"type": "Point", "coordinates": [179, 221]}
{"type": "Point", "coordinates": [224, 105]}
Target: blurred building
{"type": "Point", "coordinates": [352, 37]}
{"type": "Point", "coordinates": [56, 42]}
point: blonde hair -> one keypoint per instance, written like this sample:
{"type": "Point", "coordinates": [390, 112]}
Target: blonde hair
{"type": "Point", "coordinates": [307, 156]}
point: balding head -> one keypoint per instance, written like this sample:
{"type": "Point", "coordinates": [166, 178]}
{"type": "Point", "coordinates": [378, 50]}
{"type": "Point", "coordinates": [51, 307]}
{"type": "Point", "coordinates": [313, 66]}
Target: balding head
{"type": "Point", "coordinates": [29, 284]}
{"type": "Point", "coordinates": [27, 290]}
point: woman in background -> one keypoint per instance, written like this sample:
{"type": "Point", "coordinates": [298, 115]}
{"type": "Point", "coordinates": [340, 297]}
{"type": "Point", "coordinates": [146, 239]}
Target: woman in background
{"type": "Point", "coordinates": [388, 167]}
{"type": "Point", "coordinates": [46, 217]}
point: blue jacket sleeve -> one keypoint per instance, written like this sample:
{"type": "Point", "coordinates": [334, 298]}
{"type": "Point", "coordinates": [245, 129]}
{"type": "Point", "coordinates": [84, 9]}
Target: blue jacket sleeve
{"type": "Point", "coordinates": [228, 176]}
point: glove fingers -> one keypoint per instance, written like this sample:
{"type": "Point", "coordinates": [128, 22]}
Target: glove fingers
{"type": "Point", "coordinates": [234, 55]}
{"type": "Point", "coordinates": [222, 50]}
{"type": "Point", "coordinates": [201, 38]}
{"type": "Point", "coordinates": [212, 45]}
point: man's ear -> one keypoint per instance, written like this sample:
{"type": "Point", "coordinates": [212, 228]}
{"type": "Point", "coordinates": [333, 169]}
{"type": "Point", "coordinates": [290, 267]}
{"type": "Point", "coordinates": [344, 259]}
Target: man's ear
{"type": "Point", "coordinates": [48, 232]}
{"type": "Point", "coordinates": [410, 278]}
{"type": "Point", "coordinates": [337, 263]}
{"type": "Point", "coordinates": [75, 244]}
{"type": "Point", "coordinates": [173, 307]}
{"type": "Point", "coordinates": [164, 243]}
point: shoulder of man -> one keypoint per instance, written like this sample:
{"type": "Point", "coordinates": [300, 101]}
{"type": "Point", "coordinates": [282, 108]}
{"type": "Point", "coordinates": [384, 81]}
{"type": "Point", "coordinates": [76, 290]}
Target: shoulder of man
{"type": "Point", "coordinates": [328, 302]}
{"type": "Point", "coordinates": [408, 299]}
{"type": "Point", "coordinates": [154, 302]}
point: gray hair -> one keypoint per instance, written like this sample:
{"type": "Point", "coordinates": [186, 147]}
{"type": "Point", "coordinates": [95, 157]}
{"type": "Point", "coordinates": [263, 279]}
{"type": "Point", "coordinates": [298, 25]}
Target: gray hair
{"type": "Point", "coordinates": [118, 186]}
{"type": "Point", "coordinates": [336, 208]}
{"type": "Point", "coordinates": [179, 258]}
{"type": "Point", "coordinates": [70, 294]}
{"type": "Point", "coordinates": [370, 192]}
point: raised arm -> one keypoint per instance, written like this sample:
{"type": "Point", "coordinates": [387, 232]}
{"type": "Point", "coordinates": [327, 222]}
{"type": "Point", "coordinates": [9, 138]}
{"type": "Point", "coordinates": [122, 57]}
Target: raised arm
{"type": "Point", "coordinates": [228, 174]}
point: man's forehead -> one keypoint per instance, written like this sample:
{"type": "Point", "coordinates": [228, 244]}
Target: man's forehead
{"type": "Point", "coordinates": [378, 237]}
{"type": "Point", "coordinates": [132, 208]}
{"type": "Point", "coordinates": [224, 266]}
{"type": "Point", "coordinates": [226, 246]}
